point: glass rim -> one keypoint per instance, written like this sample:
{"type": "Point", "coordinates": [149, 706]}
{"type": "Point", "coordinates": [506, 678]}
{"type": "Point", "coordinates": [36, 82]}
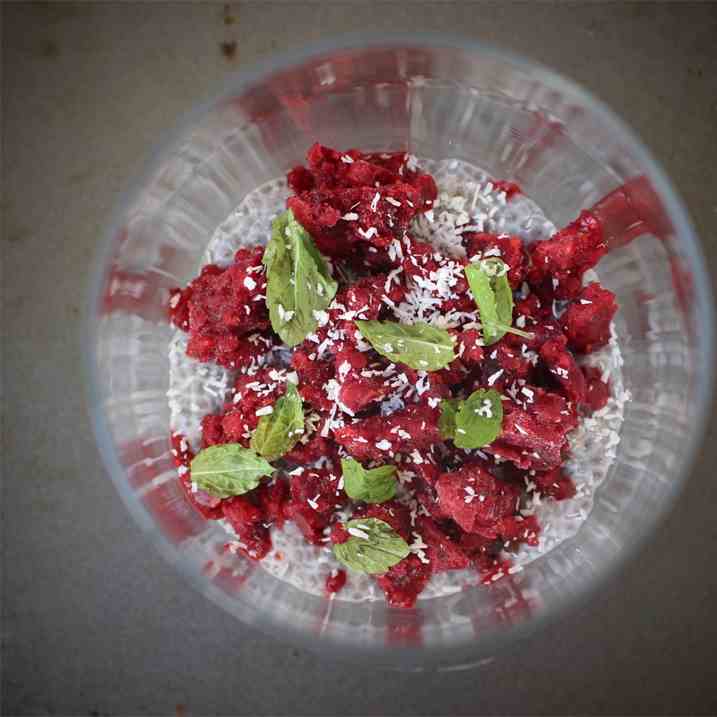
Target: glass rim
{"type": "Point", "coordinates": [462, 653]}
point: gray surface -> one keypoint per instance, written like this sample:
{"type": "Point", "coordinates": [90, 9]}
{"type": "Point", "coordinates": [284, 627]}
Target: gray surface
{"type": "Point", "coordinates": [94, 621]}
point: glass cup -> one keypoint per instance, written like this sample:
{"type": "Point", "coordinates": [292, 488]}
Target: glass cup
{"type": "Point", "coordinates": [437, 98]}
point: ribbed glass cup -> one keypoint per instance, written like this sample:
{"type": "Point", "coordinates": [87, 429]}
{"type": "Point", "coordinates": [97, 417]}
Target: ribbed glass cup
{"type": "Point", "coordinates": [437, 98]}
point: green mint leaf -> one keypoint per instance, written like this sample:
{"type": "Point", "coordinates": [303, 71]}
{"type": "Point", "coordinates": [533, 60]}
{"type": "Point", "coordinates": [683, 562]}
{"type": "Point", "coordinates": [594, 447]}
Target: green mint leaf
{"type": "Point", "coordinates": [228, 470]}
{"type": "Point", "coordinates": [488, 282]}
{"type": "Point", "coordinates": [374, 546]}
{"type": "Point", "coordinates": [376, 485]}
{"type": "Point", "coordinates": [299, 286]}
{"type": "Point", "coordinates": [280, 431]}
{"type": "Point", "coordinates": [420, 345]}
{"type": "Point", "coordinates": [479, 419]}
{"type": "Point", "coordinates": [503, 300]}
{"type": "Point", "coordinates": [481, 286]}
{"type": "Point", "coordinates": [447, 421]}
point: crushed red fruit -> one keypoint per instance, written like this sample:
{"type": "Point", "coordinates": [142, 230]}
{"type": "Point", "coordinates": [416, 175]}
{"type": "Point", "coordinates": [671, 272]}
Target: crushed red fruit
{"type": "Point", "coordinates": [335, 582]}
{"type": "Point", "coordinates": [403, 583]}
{"type": "Point", "coordinates": [510, 249]}
{"type": "Point", "coordinates": [247, 520]}
{"type": "Point", "coordinates": [598, 391]}
{"type": "Point", "coordinates": [454, 508]}
{"type": "Point", "coordinates": [220, 307]}
{"type": "Point", "coordinates": [558, 264]}
{"type": "Point", "coordinates": [476, 500]}
{"type": "Point", "coordinates": [378, 438]}
{"type": "Point", "coordinates": [554, 484]}
{"type": "Point", "coordinates": [315, 497]}
{"type": "Point", "coordinates": [586, 322]}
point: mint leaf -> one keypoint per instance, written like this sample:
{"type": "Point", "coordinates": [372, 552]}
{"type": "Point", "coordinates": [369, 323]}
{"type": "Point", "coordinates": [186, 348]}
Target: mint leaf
{"type": "Point", "coordinates": [280, 431]}
{"type": "Point", "coordinates": [376, 485]}
{"type": "Point", "coordinates": [503, 300]}
{"type": "Point", "coordinates": [228, 470]}
{"type": "Point", "coordinates": [420, 345]}
{"type": "Point", "coordinates": [447, 421]}
{"type": "Point", "coordinates": [488, 282]}
{"type": "Point", "coordinates": [479, 419]}
{"type": "Point", "coordinates": [484, 296]}
{"type": "Point", "coordinates": [374, 546]}
{"type": "Point", "coordinates": [299, 285]}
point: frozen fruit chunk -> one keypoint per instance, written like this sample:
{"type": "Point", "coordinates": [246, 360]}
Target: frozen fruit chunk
{"type": "Point", "coordinates": [359, 387]}
{"type": "Point", "coordinates": [357, 392]}
{"type": "Point", "coordinates": [220, 306]}
{"type": "Point", "coordinates": [516, 529]}
{"type": "Point", "coordinates": [440, 276]}
{"type": "Point", "coordinates": [315, 496]}
{"type": "Point", "coordinates": [331, 169]}
{"type": "Point", "coordinates": [528, 443]}
{"type": "Point", "coordinates": [548, 408]}
{"type": "Point", "coordinates": [598, 391]}
{"type": "Point", "coordinates": [563, 369]}
{"type": "Point", "coordinates": [544, 330]}
{"type": "Point", "coordinates": [335, 581]}
{"type": "Point", "coordinates": [469, 347]}
{"type": "Point", "coordinates": [251, 395]}
{"type": "Point", "coordinates": [179, 307]}
{"type": "Point", "coordinates": [533, 309]}
{"type": "Point", "coordinates": [452, 375]}
{"type": "Point", "coordinates": [424, 466]}
{"type": "Point", "coordinates": [342, 220]}
{"type": "Point", "coordinates": [247, 521]}
{"type": "Point", "coordinates": [310, 448]}
{"type": "Point", "coordinates": [429, 386]}
{"type": "Point", "coordinates": [374, 438]}
{"type": "Point", "coordinates": [313, 376]}
{"type": "Point", "coordinates": [586, 322]}
{"type": "Point", "coordinates": [320, 214]}
{"type": "Point", "coordinates": [496, 569]}
{"type": "Point", "coordinates": [475, 499]}
{"type": "Point", "coordinates": [404, 582]}
{"type": "Point", "coordinates": [424, 473]}
{"type": "Point", "coordinates": [425, 185]}
{"type": "Point", "coordinates": [338, 534]}
{"type": "Point", "coordinates": [443, 552]}
{"type": "Point", "coordinates": [349, 359]}
{"type": "Point", "coordinates": [236, 352]}
{"type": "Point", "coordinates": [212, 431]}
{"type": "Point", "coordinates": [182, 454]}
{"type": "Point", "coordinates": [562, 260]}
{"type": "Point", "coordinates": [362, 297]}
{"type": "Point", "coordinates": [300, 179]}
{"type": "Point", "coordinates": [508, 248]}
{"type": "Point", "coordinates": [482, 552]}
{"type": "Point", "coordinates": [428, 499]}
{"type": "Point", "coordinates": [272, 498]}
{"type": "Point", "coordinates": [555, 484]}
{"type": "Point", "coordinates": [384, 213]}
{"type": "Point", "coordinates": [504, 363]}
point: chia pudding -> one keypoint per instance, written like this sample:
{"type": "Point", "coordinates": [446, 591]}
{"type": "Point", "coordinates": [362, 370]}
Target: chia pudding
{"type": "Point", "coordinates": [394, 377]}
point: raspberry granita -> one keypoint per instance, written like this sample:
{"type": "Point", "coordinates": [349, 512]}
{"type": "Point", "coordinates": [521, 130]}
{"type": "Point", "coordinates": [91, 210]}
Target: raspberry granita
{"type": "Point", "coordinates": [397, 381]}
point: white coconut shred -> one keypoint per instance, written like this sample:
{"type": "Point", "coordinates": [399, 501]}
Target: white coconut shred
{"type": "Point", "coordinates": [468, 201]}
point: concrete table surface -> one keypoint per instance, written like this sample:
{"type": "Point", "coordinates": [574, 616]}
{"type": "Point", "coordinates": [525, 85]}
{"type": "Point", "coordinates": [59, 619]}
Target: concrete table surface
{"type": "Point", "coordinates": [94, 622]}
